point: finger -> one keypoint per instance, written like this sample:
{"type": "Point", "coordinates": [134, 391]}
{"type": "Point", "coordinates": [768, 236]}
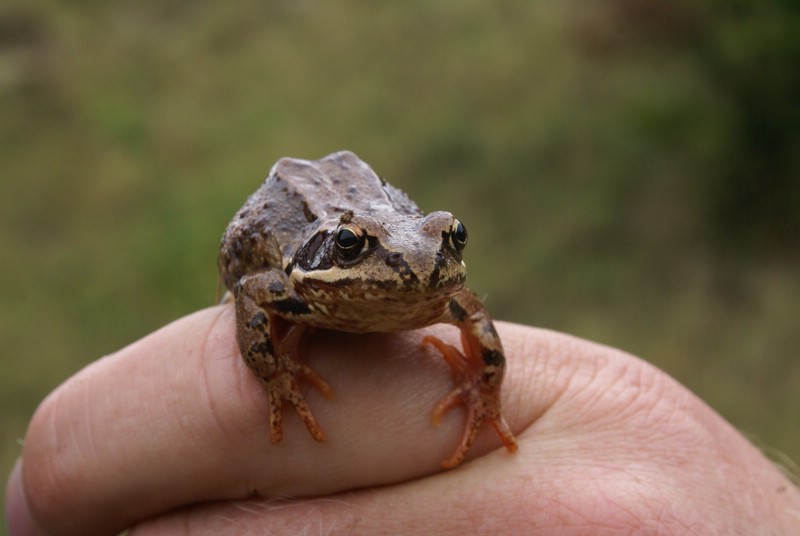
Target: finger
{"type": "Point", "coordinates": [628, 450]}
{"type": "Point", "coordinates": [536, 492]}
{"type": "Point", "coordinates": [177, 418]}
{"type": "Point", "coordinates": [476, 500]}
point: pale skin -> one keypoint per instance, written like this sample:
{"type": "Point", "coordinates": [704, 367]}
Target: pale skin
{"type": "Point", "coordinates": [168, 436]}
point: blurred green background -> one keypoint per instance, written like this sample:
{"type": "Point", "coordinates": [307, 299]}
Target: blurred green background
{"type": "Point", "coordinates": [629, 170]}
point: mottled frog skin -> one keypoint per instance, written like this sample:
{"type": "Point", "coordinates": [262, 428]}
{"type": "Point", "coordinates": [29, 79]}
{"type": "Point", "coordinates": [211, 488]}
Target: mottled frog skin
{"type": "Point", "coordinates": [329, 244]}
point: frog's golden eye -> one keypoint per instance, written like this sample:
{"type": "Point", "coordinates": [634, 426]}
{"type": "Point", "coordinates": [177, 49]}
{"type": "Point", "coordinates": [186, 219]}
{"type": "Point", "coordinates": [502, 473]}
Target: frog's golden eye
{"type": "Point", "coordinates": [458, 234]}
{"type": "Point", "coordinates": [350, 240]}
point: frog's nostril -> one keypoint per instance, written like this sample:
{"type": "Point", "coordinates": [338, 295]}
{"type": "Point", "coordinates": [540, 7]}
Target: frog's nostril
{"type": "Point", "coordinates": [394, 259]}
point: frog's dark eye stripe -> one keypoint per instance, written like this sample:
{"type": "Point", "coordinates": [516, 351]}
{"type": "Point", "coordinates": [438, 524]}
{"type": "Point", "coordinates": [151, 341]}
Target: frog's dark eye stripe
{"type": "Point", "coordinates": [458, 234]}
{"type": "Point", "coordinates": [350, 241]}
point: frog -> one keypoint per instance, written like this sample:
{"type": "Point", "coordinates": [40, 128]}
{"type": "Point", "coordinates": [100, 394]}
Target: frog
{"type": "Point", "coordinates": [329, 244]}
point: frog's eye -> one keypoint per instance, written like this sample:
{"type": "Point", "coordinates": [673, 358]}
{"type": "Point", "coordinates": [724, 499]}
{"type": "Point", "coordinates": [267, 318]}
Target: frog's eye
{"type": "Point", "coordinates": [458, 234]}
{"type": "Point", "coordinates": [350, 241]}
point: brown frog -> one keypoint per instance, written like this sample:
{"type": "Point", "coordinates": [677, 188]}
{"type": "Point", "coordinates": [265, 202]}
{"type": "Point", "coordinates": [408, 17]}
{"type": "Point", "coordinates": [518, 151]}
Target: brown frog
{"type": "Point", "coordinates": [329, 244]}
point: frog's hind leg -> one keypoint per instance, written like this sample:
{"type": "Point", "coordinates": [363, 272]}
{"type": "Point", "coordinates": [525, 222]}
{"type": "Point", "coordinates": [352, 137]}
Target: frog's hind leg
{"type": "Point", "coordinates": [269, 346]}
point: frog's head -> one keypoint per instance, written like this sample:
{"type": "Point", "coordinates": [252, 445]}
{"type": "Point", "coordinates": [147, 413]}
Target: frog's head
{"type": "Point", "coordinates": [359, 257]}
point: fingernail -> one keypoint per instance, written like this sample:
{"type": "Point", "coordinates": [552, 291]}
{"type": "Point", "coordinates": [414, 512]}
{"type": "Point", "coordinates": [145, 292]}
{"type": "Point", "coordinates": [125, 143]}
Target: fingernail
{"type": "Point", "coordinates": [18, 516]}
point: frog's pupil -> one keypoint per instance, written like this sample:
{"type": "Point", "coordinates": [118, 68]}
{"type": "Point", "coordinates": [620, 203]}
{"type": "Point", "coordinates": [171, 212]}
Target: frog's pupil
{"type": "Point", "coordinates": [459, 235]}
{"type": "Point", "coordinates": [346, 239]}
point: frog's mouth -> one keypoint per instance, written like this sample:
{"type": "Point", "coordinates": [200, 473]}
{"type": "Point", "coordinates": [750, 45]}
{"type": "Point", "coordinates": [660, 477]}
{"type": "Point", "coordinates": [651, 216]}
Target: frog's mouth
{"type": "Point", "coordinates": [359, 305]}
{"type": "Point", "coordinates": [374, 283]}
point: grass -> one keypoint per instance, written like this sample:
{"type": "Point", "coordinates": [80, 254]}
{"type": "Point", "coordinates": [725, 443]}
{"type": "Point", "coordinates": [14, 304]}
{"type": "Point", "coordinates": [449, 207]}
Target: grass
{"type": "Point", "coordinates": [627, 171]}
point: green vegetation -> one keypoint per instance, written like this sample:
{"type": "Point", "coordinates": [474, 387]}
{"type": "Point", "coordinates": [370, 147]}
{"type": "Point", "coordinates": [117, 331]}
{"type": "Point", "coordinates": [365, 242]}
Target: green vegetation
{"type": "Point", "coordinates": [629, 170]}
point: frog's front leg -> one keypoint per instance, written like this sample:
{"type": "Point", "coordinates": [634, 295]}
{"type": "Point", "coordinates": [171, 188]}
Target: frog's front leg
{"type": "Point", "coordinates": [269, 344]}
{"type": "Point", "coordinates": [477, 373]}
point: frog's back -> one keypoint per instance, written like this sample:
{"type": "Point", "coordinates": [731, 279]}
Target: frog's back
{"type": "Point", "coordinates": [340, 182]}
{"type": "Point", "coordinates": [300, 194]}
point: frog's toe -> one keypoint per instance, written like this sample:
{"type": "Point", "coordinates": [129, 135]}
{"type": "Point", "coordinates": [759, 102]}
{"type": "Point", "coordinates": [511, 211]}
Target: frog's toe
{"type": "Point", "coordinates": [461, 395]}
{"type": "Point", "coordinates": [480, 397]}
{"type": "Point", "coordinates": [304, 411]}
{"type": "Point", "coordinates": [481, 407]}
{"type": "Point", "coordinates": [286, 389]}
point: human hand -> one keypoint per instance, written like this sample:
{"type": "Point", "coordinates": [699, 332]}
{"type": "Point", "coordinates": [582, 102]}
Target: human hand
{"type": "Point", "coordinates": [170, 435]}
